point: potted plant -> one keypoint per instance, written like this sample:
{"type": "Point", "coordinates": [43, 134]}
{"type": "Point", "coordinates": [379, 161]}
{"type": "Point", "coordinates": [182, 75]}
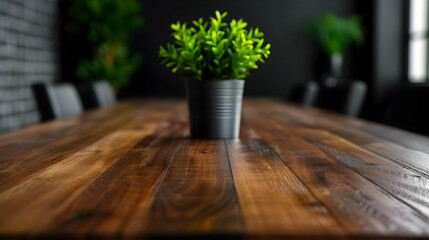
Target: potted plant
{"type": "Point", "coordinates": [108, 25]}
{"type": "Point", "coordinates": [214, 57]}
{"type": "Point", "coordinates": [334, 34]}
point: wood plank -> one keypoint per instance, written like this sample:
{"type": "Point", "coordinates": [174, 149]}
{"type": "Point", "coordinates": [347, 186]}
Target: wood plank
{"type": "Point", "coordinates": [273, 201]}
{"type": "Point", "coordinates": [318, 119]}
{"type": "Point", "coordinates": [117, 202]}
{"type": "Point", "coordinates": [403, 183]}
{"type": "Point", "coordinates": [349, 124]}
{"type": "Point", "coordinates": [54, 188]}
{"type": "Point", "coordinates": [387, 133]}
{"type": "Point", "coordinates": [132, 172]}
{"type": "Point", "coordinates": [13, 170]}
{"type": "Point", "coordinates": [400, 182]}
{"type": "Point", "coordinates": [361, 206]}
{"type": "Point", "coordinates": [409, 158]}
{"type": "Point", "coordinates": [197, 196]}
{"type": "Point", "coordinates": [17, 143]}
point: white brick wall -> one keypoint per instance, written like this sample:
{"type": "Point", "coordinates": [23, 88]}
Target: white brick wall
{"type": "Point", "coordinates": [28, 54]}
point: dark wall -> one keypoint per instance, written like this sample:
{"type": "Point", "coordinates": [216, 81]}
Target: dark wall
{"type": "Point", "coordinates": [74, 45]}
{"type": "Point", "coordinates": [381, 62]}
{"type": "Point", "coordinates": [283, 22]}
{"type": "Point", "coordinates": [389, 46]}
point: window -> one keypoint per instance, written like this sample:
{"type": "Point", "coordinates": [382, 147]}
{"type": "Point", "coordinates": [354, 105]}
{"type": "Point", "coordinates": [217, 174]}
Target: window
{"type": "Point", "coordinates": [418, 42]}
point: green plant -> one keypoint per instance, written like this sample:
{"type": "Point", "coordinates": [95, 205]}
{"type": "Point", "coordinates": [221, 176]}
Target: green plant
{"type": "Point", "coordinates": [334, 33]}
{"type": "Point", "coordinates": [108, 25]}
{"type": "Point", "coordinates": [214, 50]}
{"type": "Point", "coordinates": [111, 64]}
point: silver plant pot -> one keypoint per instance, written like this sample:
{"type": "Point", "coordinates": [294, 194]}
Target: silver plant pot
{"type": "Point", "coordinates": [215, 108]}
{"type": "Point", "coordinates": [333, 78]}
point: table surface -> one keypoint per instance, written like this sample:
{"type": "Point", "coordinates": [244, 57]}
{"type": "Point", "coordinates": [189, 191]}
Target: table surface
{"type": "Point", "coordinates": [132, 171]}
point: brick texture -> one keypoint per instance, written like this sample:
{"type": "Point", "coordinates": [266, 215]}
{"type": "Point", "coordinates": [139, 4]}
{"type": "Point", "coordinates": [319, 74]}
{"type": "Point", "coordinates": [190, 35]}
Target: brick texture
{"type": "Point", "coordinates": [28, 54]}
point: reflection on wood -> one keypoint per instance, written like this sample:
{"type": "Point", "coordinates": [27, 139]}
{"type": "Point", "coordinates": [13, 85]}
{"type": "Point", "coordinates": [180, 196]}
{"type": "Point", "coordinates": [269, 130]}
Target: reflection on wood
{"type": "Point", "coordinates": [131, 171]}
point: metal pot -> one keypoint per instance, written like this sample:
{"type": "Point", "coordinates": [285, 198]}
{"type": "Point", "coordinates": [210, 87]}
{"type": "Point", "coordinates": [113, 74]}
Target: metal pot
{"type": "Point", "coordinates": [333, 78]}
{"type": "Point", "coordinates": [215, 108]}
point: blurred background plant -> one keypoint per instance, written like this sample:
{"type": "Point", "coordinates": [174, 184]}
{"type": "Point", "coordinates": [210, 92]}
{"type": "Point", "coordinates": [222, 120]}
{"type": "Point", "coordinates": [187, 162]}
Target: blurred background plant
{"type": "Point", "coordinates": [334, 34]}
{"type": "Point", "coordinates": [108, 25]}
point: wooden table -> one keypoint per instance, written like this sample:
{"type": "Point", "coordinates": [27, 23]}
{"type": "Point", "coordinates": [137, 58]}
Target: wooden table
{"type": "Point", "coordinates": [131, 171]}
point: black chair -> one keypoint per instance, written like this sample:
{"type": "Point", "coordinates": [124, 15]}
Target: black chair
{"type": "Point", "coordinates": [407, 109]}
{"type": "Point", "coordinates": [306, 94]}
{"type": "Point", "coordinates": [57, 100]}
{"type": "Point", "coordinates": [347, 99]}
{"type": "Point", "coordinates": [101, 94]}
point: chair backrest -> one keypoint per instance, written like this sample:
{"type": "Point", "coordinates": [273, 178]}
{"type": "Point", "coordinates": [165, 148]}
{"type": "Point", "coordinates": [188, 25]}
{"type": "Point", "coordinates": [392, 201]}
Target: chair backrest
{"type": "Point", "coordinates": [57, 101]}
{"type": "Point", "coordinates": [306, 94]}
{"type": "Point", "coordinates": [101, 94]}
{"type": "Point", "coordinates": [346, 99]}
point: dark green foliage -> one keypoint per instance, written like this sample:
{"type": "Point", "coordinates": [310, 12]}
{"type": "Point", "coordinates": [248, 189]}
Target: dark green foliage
{"type": "Point", "coordinates": [334, 33]}
{"type": "Point", "coordinates": [108, 25]}
{"type": "Point", "coordinates": [214, 50]}
{"type": "Point", "coordinates": [116, 72]}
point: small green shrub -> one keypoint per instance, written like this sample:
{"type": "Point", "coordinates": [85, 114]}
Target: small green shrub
{"type": "Point", "coordinates": [214, 50]}
{"type": "Point", "coordinates": [108, 25]}
{"type": "Point", "coordinates": [334, 33]}
{"type": "Point", "coordinates": [111, 63]}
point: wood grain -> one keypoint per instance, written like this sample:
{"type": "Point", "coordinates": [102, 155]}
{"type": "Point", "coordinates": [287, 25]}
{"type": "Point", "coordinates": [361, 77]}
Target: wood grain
{"type": "Point", "coordinates": [131, 171]}
{"type": "Point", "coordinates": [197, 195]}
{"type": "Point", "coordinates": [274, 202]}
{"type": "Point", "coordinates": [400, 182]}
{"type": "Point", "coordinates": [358, 204]}
{"type": "Point", "coordinates": [59, 144]}
{"type": "Point", "coordinates": [118, 201]}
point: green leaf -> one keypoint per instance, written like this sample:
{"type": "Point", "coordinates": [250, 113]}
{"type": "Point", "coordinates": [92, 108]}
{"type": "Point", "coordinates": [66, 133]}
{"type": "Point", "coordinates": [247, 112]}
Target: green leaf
{"type": "Point", "coordinates": [186, 55]}
{"type": "Point", "coordinates": [218, 16]}
{"type": "Point", "coordinates": [176, 26]}
{"type": "Point", "coordinates": [214, 49]}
